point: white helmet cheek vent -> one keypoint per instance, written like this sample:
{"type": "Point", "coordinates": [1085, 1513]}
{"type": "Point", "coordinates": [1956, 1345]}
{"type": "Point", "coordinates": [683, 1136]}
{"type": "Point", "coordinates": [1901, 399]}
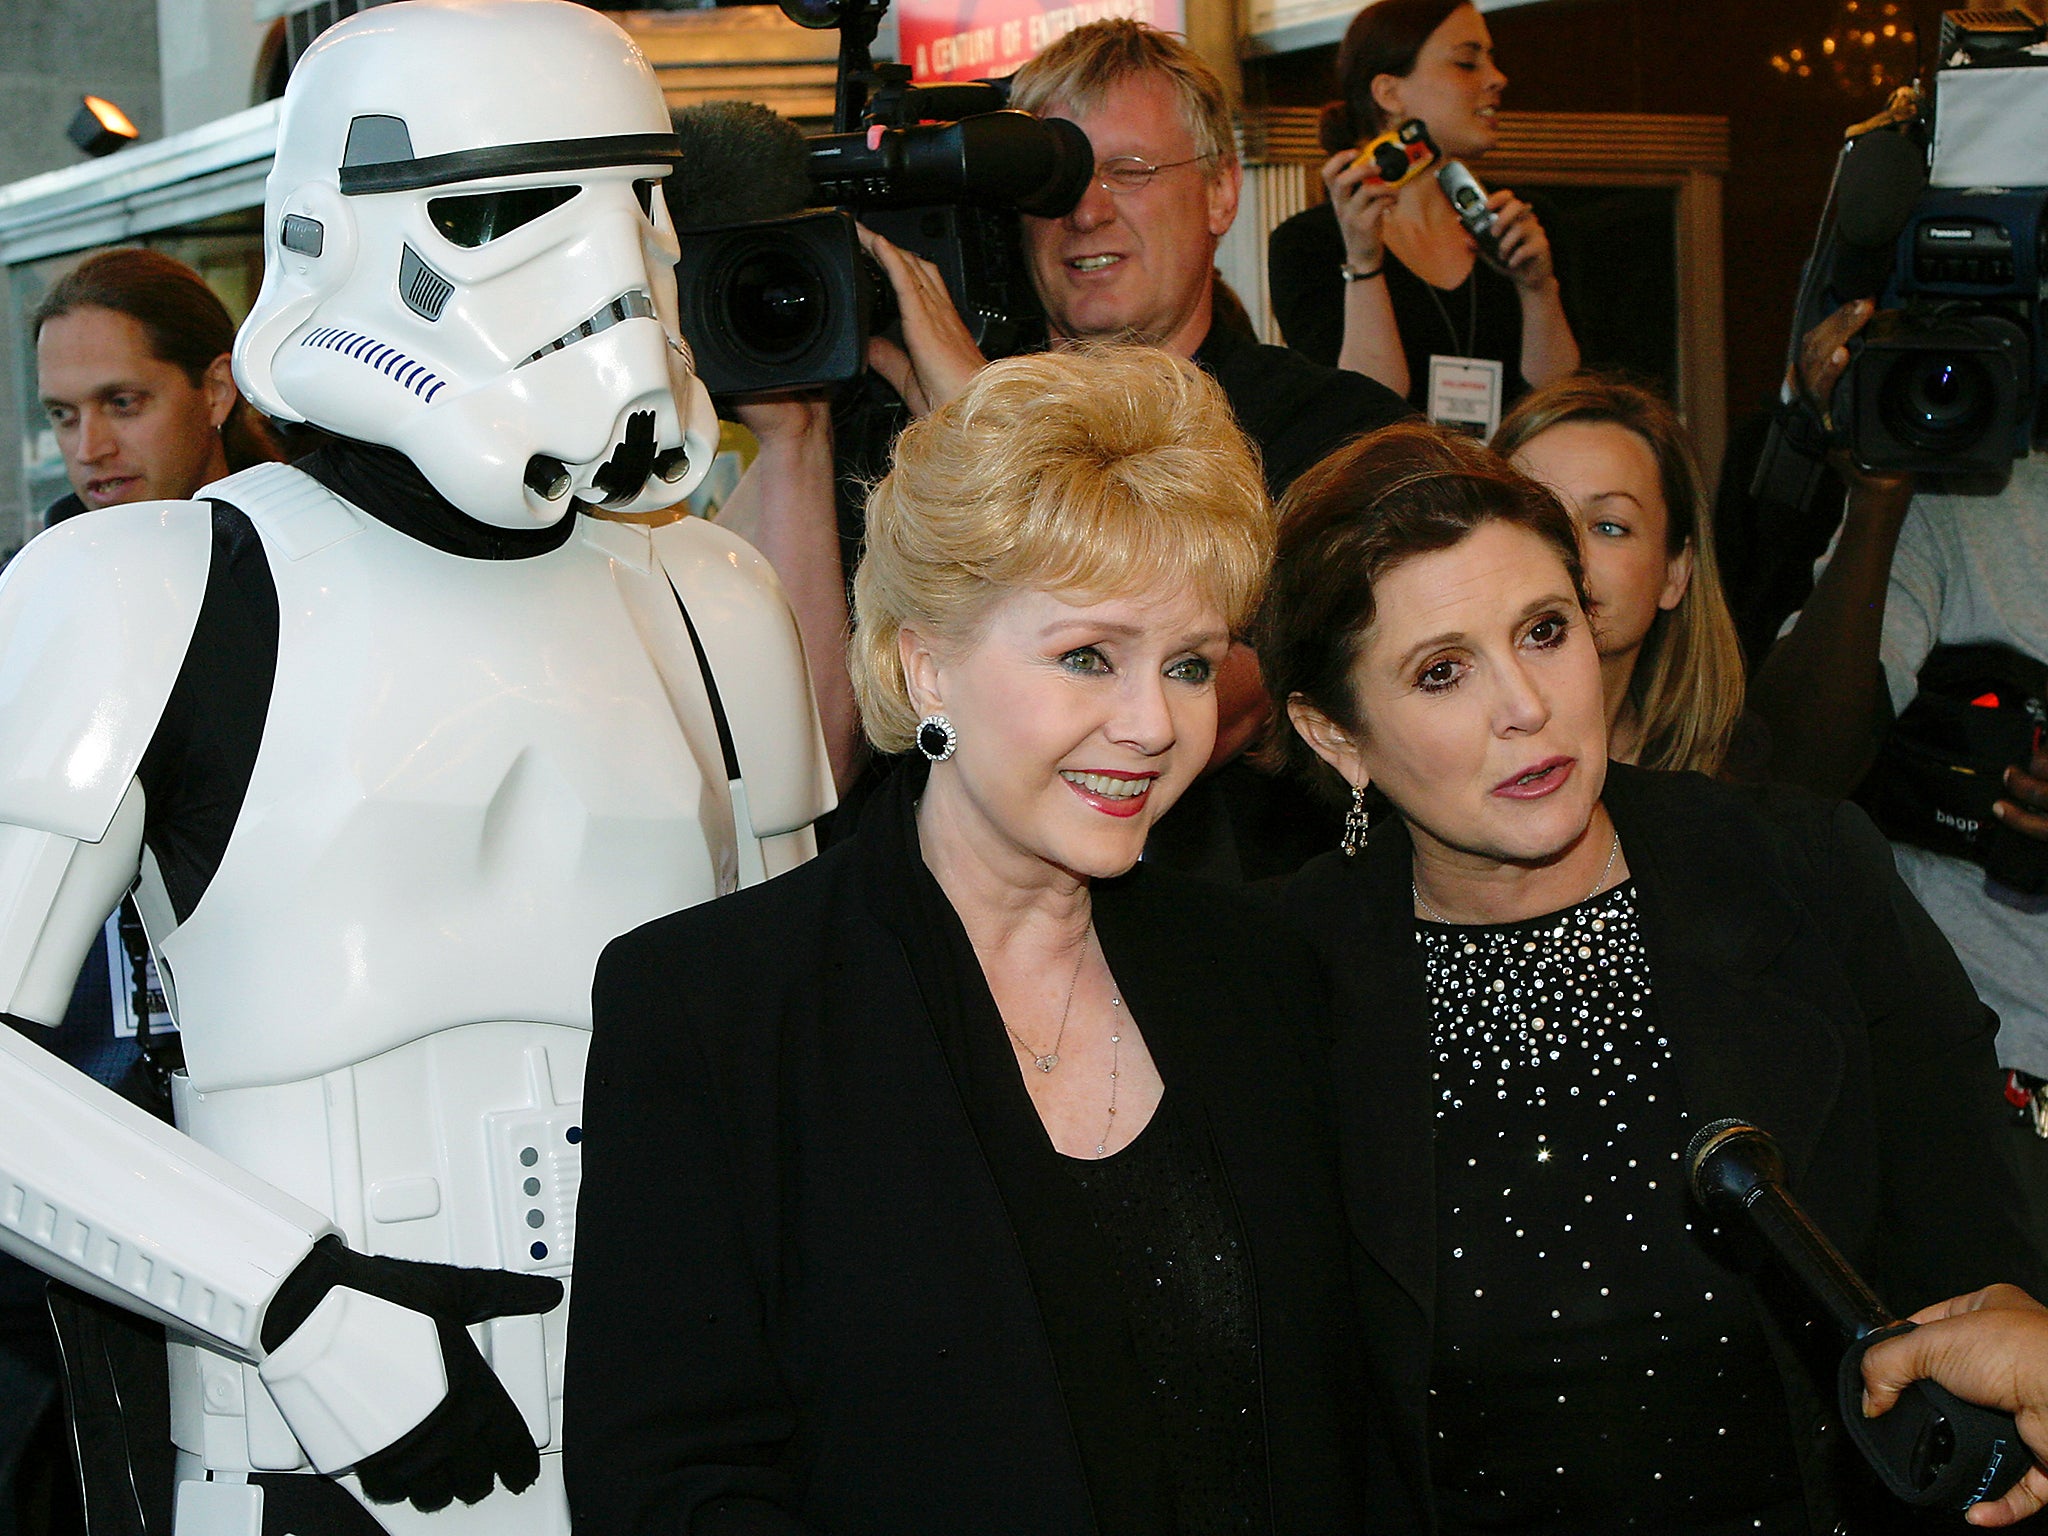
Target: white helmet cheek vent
{"type": "Point", "coordinates": [459, 266]}
{"type": "Point", "coordinates": [297, 279]}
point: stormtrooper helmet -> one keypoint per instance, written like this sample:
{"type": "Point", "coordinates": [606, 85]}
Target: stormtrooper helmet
{"type": "Point", "coordinates": [467, 259]}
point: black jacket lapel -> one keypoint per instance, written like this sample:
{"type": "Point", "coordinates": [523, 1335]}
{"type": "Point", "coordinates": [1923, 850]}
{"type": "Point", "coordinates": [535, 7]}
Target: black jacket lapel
{"type": "Point", "coordinates": [1359, 916]}
{"type": "Point", "coordinates": [1753, 1034]}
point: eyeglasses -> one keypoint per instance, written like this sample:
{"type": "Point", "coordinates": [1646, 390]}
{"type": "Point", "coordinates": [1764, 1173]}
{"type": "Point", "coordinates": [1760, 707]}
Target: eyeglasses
{"type": "Point", "coordinates": [1127, 173]}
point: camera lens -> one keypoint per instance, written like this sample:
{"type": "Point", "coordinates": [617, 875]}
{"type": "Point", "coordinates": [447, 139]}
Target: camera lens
{"type": "Point", "coordinates": [1938, 402]}
{"type": "Point", "coordinates": [772, 301]}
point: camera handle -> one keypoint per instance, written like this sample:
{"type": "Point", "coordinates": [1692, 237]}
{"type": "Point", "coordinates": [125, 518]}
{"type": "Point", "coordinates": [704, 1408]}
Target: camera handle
{"type": "Point", "coordinates": [859, 21]}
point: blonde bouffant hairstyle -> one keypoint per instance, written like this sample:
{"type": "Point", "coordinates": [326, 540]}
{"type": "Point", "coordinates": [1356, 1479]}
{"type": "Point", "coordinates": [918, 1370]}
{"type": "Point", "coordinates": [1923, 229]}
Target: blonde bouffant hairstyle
{"type": "Point", "coordinates": [1094, 472]}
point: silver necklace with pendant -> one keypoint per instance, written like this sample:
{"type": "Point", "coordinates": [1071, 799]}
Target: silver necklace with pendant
{"type": "Point", "coordinates": [1045, 1061]}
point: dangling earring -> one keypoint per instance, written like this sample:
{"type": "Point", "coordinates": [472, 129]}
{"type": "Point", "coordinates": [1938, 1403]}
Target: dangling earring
{"type": "Point", "coordinates": [936, 738]}
{"type": "Point", "coordinates": [1354, 823]}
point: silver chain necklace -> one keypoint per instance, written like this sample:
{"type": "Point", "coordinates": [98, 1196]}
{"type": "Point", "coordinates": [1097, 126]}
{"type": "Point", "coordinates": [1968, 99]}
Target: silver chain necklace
{"type": "Point", "coordinates": [1116, 1061]}
{"type": "Point", "coordinates": [1613, 853]}
{"type": "Point", "coordinates": [1045, 1061]}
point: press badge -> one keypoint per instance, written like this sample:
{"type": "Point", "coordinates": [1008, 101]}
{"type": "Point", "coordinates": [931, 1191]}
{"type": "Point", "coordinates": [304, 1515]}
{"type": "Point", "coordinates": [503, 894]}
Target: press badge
{"type": "Point", "coordinates": [1465, 393]}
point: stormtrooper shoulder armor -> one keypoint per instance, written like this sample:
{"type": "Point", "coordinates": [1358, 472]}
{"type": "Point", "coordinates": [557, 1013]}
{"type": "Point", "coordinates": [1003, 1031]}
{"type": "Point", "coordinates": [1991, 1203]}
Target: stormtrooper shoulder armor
{"type": "Point", "coordinates": [743, 623]}
{"type": "Point", "coordinates": [95, 618]}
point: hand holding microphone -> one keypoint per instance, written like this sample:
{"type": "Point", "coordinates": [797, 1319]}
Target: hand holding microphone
{"type": "Point", "coordinates": [1990, 1347]}
{"type": "Point", "coordinates": [1931, 1448]}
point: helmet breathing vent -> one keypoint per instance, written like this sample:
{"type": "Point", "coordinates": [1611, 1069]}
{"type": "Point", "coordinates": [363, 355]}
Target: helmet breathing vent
{"type": "Point", "coordinates": [424, 290]}
{"type": "Point", "coordinates": [386, 359]}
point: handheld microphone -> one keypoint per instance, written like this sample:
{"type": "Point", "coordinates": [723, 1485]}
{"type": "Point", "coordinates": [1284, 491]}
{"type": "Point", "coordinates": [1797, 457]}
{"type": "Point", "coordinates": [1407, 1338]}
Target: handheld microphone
{"type": "Point", "coordinates": [1933, 1450]}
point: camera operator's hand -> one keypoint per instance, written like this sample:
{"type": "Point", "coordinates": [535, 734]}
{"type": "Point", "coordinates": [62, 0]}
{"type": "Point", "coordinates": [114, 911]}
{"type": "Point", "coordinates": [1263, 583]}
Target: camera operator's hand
{"type": "Point", "coordinates": [938, 356]}
{"type": "Point", "coordinates": [2025, 806]}
{"type": "Point", "coordinates": [1991, 1348]}
{"type": "Point", "coordinates": [1823, 359]}
{"type": "Point", "coordinates": [1360, 200]}
{"type": "Point", "coordinates": [1824, 355]}
{"type": "Point", "coordinates": [1523, 244]}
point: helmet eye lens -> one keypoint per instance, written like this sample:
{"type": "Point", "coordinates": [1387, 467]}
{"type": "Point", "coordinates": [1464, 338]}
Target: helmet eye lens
{"type": "Point", "coordinates": [478, 218]}
{"type": "Point", "coordinates": [644, 190]}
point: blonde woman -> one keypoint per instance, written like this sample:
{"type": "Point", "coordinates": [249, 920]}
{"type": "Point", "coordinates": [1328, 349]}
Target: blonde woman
{"type": "Point", "coordinates": [1670, 663]}
{"type": "Point", "coordinates": [974, 1178]}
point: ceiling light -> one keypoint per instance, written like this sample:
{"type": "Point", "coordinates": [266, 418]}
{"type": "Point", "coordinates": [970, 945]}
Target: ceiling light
{"type": "Point", "coordinates": [100, 127]}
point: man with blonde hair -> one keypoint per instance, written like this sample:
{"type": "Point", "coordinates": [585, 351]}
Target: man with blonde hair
{"type": "Point", "coordinates": [1134, 260]}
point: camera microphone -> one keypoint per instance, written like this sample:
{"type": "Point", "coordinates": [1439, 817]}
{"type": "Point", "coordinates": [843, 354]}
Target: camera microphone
{"type": "Point", "coordinates": [1880, 180]}
{"type": "Point", "coordinates": [1932, 1449]}
{"type": "Point", "coordinates": [1006, 158]}
{"type": "Point", "coordinates": [740, 162]}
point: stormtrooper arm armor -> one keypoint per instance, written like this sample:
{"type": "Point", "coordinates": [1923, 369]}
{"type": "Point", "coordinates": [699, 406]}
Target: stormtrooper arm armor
{"type": "Point", "coordinates": [95, 617]}
{"type": "Point", "coordinates": [371, 1367]}
{"type": "Point", "coordinates": [749, 645]}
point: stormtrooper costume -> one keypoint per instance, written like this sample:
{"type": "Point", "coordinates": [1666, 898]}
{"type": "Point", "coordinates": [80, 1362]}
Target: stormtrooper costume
{"type": "Point", "coordinates": [390, 745]}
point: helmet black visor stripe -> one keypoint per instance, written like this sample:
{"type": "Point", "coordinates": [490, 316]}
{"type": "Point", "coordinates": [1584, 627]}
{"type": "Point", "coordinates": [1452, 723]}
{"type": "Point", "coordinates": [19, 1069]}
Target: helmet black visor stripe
{"type": "Point", "coordinates": [510, 160]}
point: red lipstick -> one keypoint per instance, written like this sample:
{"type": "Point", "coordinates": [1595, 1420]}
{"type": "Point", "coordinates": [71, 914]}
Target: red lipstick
{"type": "Point", "coordinates": [1118, 805]}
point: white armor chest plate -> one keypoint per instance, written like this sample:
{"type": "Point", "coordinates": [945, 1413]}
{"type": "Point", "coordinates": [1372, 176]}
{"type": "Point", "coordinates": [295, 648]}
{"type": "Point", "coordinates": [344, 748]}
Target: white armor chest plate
{"type": "Point", "coordinates": [473, 775]}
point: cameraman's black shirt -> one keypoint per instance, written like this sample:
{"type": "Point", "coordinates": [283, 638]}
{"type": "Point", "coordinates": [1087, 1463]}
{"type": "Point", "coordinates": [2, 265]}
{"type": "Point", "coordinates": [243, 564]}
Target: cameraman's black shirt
{"type": "Point", "coordinates": [1294, 409]}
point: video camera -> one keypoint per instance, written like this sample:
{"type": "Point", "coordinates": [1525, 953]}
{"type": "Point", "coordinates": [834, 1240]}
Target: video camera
{"type": "Point", "coordinates": [778, 294]}
{"type": "Point", "coordinates": [1948, 379]}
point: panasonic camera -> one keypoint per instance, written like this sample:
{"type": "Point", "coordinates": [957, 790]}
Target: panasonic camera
{"type": "Point", "coordinates": [1937, 214]}
{"type": "Point", "coordinates": [778, 293]}
{"type": "Point", "coordinates": [1947, 378]}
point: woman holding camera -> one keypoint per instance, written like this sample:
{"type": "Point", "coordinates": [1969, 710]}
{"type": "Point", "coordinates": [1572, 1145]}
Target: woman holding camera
{"type": "Point", "coordinates": [1546, 972]}
{"type": "Point", "coordinates": [973, 1178]}
{"type": "Point", "coordinates": [1381, 280]}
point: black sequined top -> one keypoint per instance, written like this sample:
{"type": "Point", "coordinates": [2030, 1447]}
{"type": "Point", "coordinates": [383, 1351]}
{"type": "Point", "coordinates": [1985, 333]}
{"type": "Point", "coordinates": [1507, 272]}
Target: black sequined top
{"type": "Point", "coordinates": [1595, 1368]}
{"type": "Point", "coordinates": [1163, 1209]}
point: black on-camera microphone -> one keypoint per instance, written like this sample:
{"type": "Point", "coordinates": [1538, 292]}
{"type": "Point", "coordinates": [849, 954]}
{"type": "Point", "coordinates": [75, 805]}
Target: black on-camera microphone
{"type": "Point", "coordinates": [1036, 165]}
{"type": "Point", "coordinates": [740, 162]}
{"type": "Point", "coordinates": [1932, 1449]}
{"type": "Point", "coordinates": [1877, 184]}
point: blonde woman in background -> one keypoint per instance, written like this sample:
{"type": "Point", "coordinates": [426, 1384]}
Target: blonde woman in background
{"type": "Point", "coordinates": [1670, 663]}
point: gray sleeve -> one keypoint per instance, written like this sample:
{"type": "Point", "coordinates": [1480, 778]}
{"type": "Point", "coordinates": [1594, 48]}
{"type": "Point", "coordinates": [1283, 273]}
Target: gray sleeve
{"type": "Point", "coordinates": [1913, 600]}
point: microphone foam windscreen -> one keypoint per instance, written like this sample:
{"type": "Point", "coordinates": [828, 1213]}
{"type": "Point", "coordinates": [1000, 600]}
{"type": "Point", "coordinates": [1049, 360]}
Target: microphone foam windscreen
{"type": "Point", "coordinates": [1883, 174]}
{"type": "Point", "coordinates": [740, 162]}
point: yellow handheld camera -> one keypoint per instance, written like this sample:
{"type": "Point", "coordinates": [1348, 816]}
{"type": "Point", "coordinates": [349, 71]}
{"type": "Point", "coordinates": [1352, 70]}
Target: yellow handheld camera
{"type": "Point", "coordinates": [1400, 154]}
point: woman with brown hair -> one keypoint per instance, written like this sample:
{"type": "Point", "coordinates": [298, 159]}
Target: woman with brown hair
{"type": "Point", "coordinates": [132, 368]}
{"type": "Point", "coordinates": [1382, 280]}
{"type": "Point", "coordinates": [1546, 972]}
{"type": "Point", "coordinates": [1623, 464]}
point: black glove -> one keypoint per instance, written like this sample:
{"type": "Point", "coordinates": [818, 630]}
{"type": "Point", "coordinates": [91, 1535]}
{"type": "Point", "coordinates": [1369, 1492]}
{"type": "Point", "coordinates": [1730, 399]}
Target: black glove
{"type": "Point", "coordinates": [476, 1435]}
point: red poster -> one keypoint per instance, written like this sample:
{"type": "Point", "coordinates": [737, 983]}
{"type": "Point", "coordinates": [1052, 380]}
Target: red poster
{"type": "Point", "coordinates": [978, 39]}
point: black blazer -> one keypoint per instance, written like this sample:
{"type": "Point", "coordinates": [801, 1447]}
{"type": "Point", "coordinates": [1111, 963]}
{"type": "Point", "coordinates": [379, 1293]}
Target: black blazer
{"type": "Point", "coordinates": [801, 1303]}
{"type": "Point", "coordinates": [1803, 989]}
